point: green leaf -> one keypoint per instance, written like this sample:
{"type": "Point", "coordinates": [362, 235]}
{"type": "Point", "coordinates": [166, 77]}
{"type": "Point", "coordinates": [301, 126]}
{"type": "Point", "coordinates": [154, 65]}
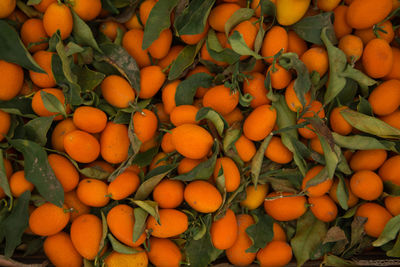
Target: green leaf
{"type": "Point", "coordinates": [337, 64]}
{"type": "Point", "coordinates": [52, 104]}
{"type": "Point", "coordinates": [194, 17]}
{"type": "Point", "coordinates": [261, 232]}
{"type": "Point", "coordinates": [302, 84]}
{"type": "Point", "coordinates": [20, 106]}
{"type": "Point", "coordinates": [37, 129]}
{"type": "Point", "coordinates": [186, 89]}
{"type": "Point", "coordinates": [103, 234]}
{"type": "Point", "coordinates": [89, 79]}
{"type": "Point", "coordinates": [309, 28]}
{"type": "Point", "coordinates": [72, 48]}
{"type": "Point", "coordinates": [268, 8]}
{"type": "Point", "coordinates": [121, 248]}
{"type": "Point", "coordinates": [13, 50]}
{"type": "Point", "coordinates": [370, 124]}
{"type": "Point", "coordinates": [3, 177]}
{"type": "Point", "coordinates": [363, 80]}
{"type": "Point", "coordinates": [159, 19]}
{"type": "Point", "coordinates": [123, 62]}
{"type": "Point", "coordinates": [201, 252]}
{"type": "Point", "coordinates": [364, 107]}
{"type": "Point", "coordinates": [360, 142]}
{"type": "Point", "coordinates": [210, 114]}
{"type": "Point", "coordinates": [357, 232]}
{"type": "Point", "coordinates": [150, 206]}
{"type": "Point", "coordinates": [39, 172]}
{"type": "Point", "coordinates": [33, 2]}
{"type": "Point", "coordinates": [217, 52]}
{"type": "Point", "coordinates": [257, 160]}
{"type": "Point", "coordinates": [391, 188]}
{"type": "Point", "coordinates": [239, 45]}
{"type": "Point", "coordinates": [82, 33]}
{"type": "Point", "coordinates": [16, 223]}
{"type": "Point", "coordinates": [152, 179]}
{"type": "Point", "coordinates": [347, 95]}
{"type": "Point", "coordinates": [184, 59]}
{"type": "Point", "coordinates": [395, 251]}
{"type": "Point", "coordinates": [389, 233]}
{"type": "Point", "coordinates": [143, 159]}
{"type": "Point", "coordinates": [342, 193]}
{"type": "Point", "coordinates": [310, 232]}
{"type": "Point", "coordinates": [335, 261]}
{"type": "Point", "coordinates": [239, 16]}
{"type": "Point", "coordinates": [203, 171]}
{"type": "Point", "coordinates": [140, 223]}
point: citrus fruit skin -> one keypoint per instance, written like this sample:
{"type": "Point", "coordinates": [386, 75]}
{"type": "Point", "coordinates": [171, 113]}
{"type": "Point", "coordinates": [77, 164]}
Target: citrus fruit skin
{"type": "Point", "coordinates": [116, 259]}
{"type": "Point", "coordinates": [224, 231]}
{"type": "Point", "coordinates": [61, 252]}
{"type": "Point", "coordinates": [285, 207]}
{"type": "Point", "coordinates": [164, 252]}
{"type": "Point", "coordinates": [48, 219]}
{"type": "Point", "coordinates": [86, 231]}
{"type": "Point", "coordinates": [202, 196]}
{"type": "Point", "coordinates": [377, 217]}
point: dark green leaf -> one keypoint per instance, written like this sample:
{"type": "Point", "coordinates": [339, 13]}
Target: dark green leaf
{"type": "Point", "coordinates": [3, 176]}
{"type": "Point", "coordinates": [20, 106]}
{"type": "Point", "coordinates": [363, 80]}
{"type": "Point", "coordinates": [335, 261]}
{"type": "Point", "coordinates": [237, 17]}
{"type": "Point", "coordinates": [16, 223]}
{"type": "Point", "coordinates": [159, 19]}
{"type": "Point", "coordinates": [261, 232]}
{"type": "Point", "coordinates": [194, 17]}
{"type": "Point", "coordinates": [152, 179]}
{"type": "Point", "coordinates": [33, 2]}
{"type": "Point", "coordinates": [391, 188]}
{"type": "Point", "coordinates": [72, 48]}
{"type": "Point", "coordinates": [39, 172]}
{"type": "Point", "coordinates": [268, 8]}
{"type": "Point", "coordinates": [257, 160]}
{"type": "Point", "coordinates": [140, 223]}
{"type": "Point", "coordinates": [364, 107]}
{"type": "Point", "coordinates": [217, 52]}
{"type": "Point", "coordinates": [203, 171]}
{"type": "Point", "coordinates": [52, 104]}
{"type": "Point", "coordinates": [370, 124]}
{"type": "Point", "coordinates": [360, 142]}
{"type": "Point", "coordinates": [395, 251]}
{"type": "Point", "coordinates": [184, 59]}
{"type": "Point", "coordinates": [119, 247]}
{"type": "Point", "coordinates": [342, 193]}
{"type": "Point", "coordinates": [389, 233]}
{"type": "Point", "coordinates": [309, 28]}
{"type": "Point", "coordinates": [104, 233]}
{"type": "Point", "coordinates": [150, 206]}
{"type": "Point", "coordinates": [310, 233]}
{"type": "Point", "coordinates": [210, 114]}
{"type": "Point", "coordinates": [239, 45]}
{"type": "Point", "coordinates": [13, 50]}
{"type": "Point", "coordinates": [186, 89]}
{"type": "Point", "coordinates": [89, 79]}
{"type": "Point", "coordinates": [123, 62]}
{"type": "Point", "coordinates": [82, 33]}
{"type": "Point", "coordinates": [36, 129]}
{"type": "Point", "coordinates": [349, 92]}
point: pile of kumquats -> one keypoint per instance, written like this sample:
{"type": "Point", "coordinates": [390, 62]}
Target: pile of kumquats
{"type": "Point", "coordinates": [197, 132]}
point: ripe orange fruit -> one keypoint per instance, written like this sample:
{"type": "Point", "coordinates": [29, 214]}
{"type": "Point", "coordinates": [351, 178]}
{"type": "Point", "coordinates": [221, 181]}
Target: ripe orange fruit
{"type": "Point", "coordinates": [230, 171]}
{"type": "Point", "coordinates": [114, 143]}
{"type": "Point", "coordinates": [186, 164]}
{"type": "Point", "coordinates": [86, 9]}
{"type": "Point", "coordinates": [395, 71]}
{"type": "Point", "coordinates": [296, 44]}
{"type": "Point", "coordinates": [340, 25]}
{"type": "Point", "coordinates": [81, 146]}
{"type": "Point", "coordinates": [278, 152]}
{"type": "Point", "coordinates": [145, 124]}
{"type": "Point", "coordinates": [110, 29]}
{"type": "Point", "coordinates": [256, 88]}
{"type": "Point", "coordinates": [192, 141]}
{"type": "Point", "coordinates": [62, 128]}
{"type": "Point", "coordinates": [170, 57]}
{"type": "Point", "coordinates": [280, 78]}
{"type": "Point", "coordinates": [352, 199]}
{"type": "Point", "coordinates": [167, 145]}
{"type": "Point", "coordinates": [323, 208]}
{"type": "Point", "coordinates": [5, 123]}
{"type": "Point", "coordinates": [19, 184]}
{"type": "Point", "coordinates": [366, 185]}
{"type": "Point", "coordinates": [316, 59]}
{"type": "Point", "coordinates": [43, 5]}
{"type": "Point", "coordinates": [377, 217]}
{"type": "Point", "coordinates": [245, 148]}
{"type": "Point", "coordinates": [172, 223]}
{"type": "Point", "coordinates": [221, 99]}
{"type": "Point", "coordinates": [275, 40]}
{"type": "Point", "coordinates": [151, 80]}
{"type": "Point", "coordinates": [58, 17]}
{"type": "Point", "coordinates": [319, 189]}
{"type": "Point", "coordinates": [365, 13]}
{"type": "Point", "coordinates": [121, 220]}
{"type": "Point", "coordinates": [11, 80]}
{"type": "Point", "coordinates": [254, 196]}
{"type": "Point", "coordinates": [259, 123]}
{"type": "Point", "coordinates": [377, 58]}
{"type": "Point", "coordinates": [285, 207]}
{"type": "Point", "coordinates": [338, 123]}
{"type": "Point", "coordinates": [237, 254]}
{"type": "Point", "coordinates": [116, 259]}
{"type": "Point", "coordinates": [76, 207]}
{"type": "Point", "coordinates": [352, 46]}
{"type": "Point", "coordinates": [43, 80]}
{"type": "Point", "coordinates": [164, 253]}
{"type": "Point", "coordinates": [293, 101]}
{"type": "Point", "coordinates": [224, 231]}
{"type": "Point", "coordinates": [168, 96]}
{"type": "Point", "coordinates": [48, 219]}
{"type": "Point", "coordinates": [169, 193]}
{"type": "Point", "coordinates": [90, 119]}
{"type": "Point", "coordinates": [279, 233]}
{"type": "Point", "coordinates": [160, 47]}
{"type": "Point", "coordinates": [192, 39]}
{"type": "Point", "coordinates": [61, 252]}
{"type": "Point", "coordinates": [368, 159]}
{"type": "Point", "coordinates": [392, 204]}
{"type": "Point", "coordinates": [385, 32]}
{"type": "Point", "coordinates": [328, 5]}
{"type": "Point", "coordinates": [123, 185]}
{"type": "Point", "coordinates": [65, 172]}
{"type": "Point", "coordinates": [275, 254]}
{"type": "Point", "coordinates": [93, 192]}
{"type": "Point", "coordinates": [32, 31]}
{"type": "Point", "coordinates": [202, 196]}
{"type": "Point", "coordinates": [184, 114]}
{"type": "Point", "coordinates": [132, 42]}
{"type": "Point", "coordinates": [220, 14]}
{"type": "Point", "coordinates": [145, 9]}
{"type": "Point", "coordinates": [6, 8]}
{"type": "Point", "coordinates": [390, 170]}
{"type": "Point", "coordinates": [235, 116]}
{"type": "Point", "coordinates": [117, 91]}
{"type": "Point", "coordinates": [86, 231]}
{"type": "Point", "coordinates": [385, 98]}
